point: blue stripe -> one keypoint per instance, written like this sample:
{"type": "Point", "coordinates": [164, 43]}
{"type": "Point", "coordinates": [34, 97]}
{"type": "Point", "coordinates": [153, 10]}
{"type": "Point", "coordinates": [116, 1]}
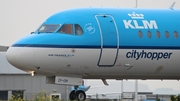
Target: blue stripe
{"type": "Point", "coordinates": [149, 47]}
{"type": "Point", "coordinates": [55, 46]}
{"type": "Point", "coordinates": [94, 47]}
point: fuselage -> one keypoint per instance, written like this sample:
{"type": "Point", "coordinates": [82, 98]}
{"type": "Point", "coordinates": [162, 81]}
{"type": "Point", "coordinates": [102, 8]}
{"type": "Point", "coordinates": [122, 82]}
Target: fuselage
{"type": "Point", "coordinates": [113, 43]}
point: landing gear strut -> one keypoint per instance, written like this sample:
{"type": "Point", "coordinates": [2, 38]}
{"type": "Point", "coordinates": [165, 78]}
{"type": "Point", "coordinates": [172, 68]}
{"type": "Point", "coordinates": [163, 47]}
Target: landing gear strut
{"type": "Point", "coordinates": [77, 95]}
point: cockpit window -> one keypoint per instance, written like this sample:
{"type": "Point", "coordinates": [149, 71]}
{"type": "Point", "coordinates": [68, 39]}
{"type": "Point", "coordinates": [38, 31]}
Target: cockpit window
{"type": "Point", "coordinates": [67, 29]}
{"type": "Point", "coordinates": [47, 28]}
{"type": "Point", "coordinates": [73, 29]}
{"type": "Point", "coordinates": [78, 29]}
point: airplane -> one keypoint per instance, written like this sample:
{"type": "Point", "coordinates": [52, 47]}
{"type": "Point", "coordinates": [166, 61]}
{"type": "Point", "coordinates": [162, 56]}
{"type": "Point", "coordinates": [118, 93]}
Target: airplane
{"type": "Point", "coordinates": [101, 43]}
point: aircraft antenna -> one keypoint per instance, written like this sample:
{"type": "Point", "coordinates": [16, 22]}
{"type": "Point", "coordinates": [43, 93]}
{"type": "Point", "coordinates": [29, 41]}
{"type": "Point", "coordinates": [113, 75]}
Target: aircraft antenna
{"type": "Point", "coordinates": [136, 3]}
{"type": "Point", "coordinates": [172, 5]}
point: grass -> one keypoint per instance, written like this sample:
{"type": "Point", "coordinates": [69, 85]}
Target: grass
{"type": "Point", "coordinates": [42, 96]}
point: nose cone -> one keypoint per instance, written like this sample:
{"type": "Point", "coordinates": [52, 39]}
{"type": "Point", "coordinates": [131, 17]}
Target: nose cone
{"type": "Point", "coordinates": [21, 57]}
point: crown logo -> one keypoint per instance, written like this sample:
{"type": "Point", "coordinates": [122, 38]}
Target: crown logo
{"type": "Point", "coordinates": [136, 16]}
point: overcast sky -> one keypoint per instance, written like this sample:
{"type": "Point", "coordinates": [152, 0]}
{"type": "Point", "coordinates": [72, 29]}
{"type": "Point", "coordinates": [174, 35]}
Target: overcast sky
{"type": "Point", "coordinates": [20, 17]}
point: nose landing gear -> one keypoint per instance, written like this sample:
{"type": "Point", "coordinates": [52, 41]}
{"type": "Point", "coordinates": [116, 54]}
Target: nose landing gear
{"type": "Point", "coordinates": [78, 95]}
{"type": "Point", "coordinates": [72, 95]}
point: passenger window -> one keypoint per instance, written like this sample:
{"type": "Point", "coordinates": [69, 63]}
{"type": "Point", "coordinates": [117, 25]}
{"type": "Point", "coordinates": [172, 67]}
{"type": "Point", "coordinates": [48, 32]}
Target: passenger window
{"type": "Point", "coordinates": [78, 29]}
{"type": "Point", "coordinates": [140, 34]}
{"type": "Point", "coordinates": [149, 34]}
{"type": "Point", "coordinates": [175, 34]}
{"type": "Point", "coordinates": [167, 34]}
{"type": "Point", "coordinates": [66, 28]}
{"type": "Point", "coordinates": [158, 34]}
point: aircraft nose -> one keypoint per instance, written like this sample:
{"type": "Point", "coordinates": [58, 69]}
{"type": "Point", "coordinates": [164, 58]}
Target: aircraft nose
{"type": "Point", "coordinates": [20, 57]}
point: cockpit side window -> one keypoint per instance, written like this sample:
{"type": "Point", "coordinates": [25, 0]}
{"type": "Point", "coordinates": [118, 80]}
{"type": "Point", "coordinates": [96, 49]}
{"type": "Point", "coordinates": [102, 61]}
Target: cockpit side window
{"type": "Point", "coordinates": [78, 29]}
{"type": "Point", "coordinates": [67, 29]}
{"type": "Point", "coordinates": [48, 28]}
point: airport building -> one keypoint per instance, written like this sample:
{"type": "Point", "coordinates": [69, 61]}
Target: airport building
{"type": "Point", "coordinates": [19, 83]}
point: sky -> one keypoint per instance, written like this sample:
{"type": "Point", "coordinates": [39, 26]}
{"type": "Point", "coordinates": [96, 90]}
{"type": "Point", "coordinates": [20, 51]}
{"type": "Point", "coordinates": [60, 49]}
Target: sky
{"type": "Point", "coordinates": [21, 17]}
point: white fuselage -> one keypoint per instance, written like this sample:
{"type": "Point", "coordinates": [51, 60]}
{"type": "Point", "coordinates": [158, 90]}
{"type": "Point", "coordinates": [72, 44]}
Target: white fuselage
{"type": "Point", "coordinates": [141, 64]}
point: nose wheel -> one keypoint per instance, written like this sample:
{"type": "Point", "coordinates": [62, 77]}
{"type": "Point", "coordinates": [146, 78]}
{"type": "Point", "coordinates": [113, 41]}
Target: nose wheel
{"type": "Point", "coordinates": [72, 95]}
{"type": "Point", "coordinates": [80, 95]}
{"type": "Point", "coordinates": [77, 95]}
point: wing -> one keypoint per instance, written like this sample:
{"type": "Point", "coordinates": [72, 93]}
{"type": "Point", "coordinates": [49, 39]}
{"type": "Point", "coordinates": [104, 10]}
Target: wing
{"type": "Point", "coordinates": [3, 48]}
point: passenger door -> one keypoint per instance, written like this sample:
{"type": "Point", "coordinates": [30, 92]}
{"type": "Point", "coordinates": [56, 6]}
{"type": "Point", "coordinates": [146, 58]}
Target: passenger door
{"type": "Point", "coordinates": [109, 40]}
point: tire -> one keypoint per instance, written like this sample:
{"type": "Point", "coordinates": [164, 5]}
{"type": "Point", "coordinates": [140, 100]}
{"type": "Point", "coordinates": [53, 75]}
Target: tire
{"type": "Point", "coordinates": [72, 95]}
{"type": "Point", "coordinates": [80, 95]}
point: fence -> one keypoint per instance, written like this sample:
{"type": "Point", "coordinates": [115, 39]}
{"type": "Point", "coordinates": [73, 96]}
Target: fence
{"type": "Point", "coordinates": [42, 96]}
{"type": "Point", "coordinates": [120, 97]}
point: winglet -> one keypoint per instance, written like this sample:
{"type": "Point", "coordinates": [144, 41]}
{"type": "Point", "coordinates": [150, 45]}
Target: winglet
{"type": "Point", "coordinates": [172, 5]}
